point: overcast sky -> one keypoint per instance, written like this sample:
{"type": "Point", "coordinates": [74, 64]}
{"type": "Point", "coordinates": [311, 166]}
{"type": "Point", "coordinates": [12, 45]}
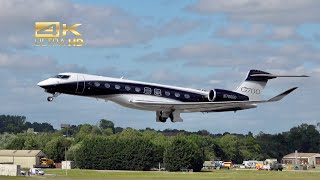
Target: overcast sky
{"type": "Point", "coordinates": [199, 44]}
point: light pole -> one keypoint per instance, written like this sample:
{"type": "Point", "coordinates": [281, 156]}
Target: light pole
{"type": "Point", "coordinates": [65, 157]}
{"type": "Point", "coordinates": [65, 126]}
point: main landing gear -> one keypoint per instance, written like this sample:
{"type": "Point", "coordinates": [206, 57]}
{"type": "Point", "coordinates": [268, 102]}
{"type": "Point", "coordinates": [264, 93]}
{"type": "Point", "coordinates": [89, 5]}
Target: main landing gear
{"type": "Point", "coordinates": [162, 116]}
{"type": "Point", "coordinates": [54, 95]}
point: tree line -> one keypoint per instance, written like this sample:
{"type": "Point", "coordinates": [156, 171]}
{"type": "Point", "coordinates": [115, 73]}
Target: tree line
{"type": "Point", "coordinates": [18, 124]}
{"type": "Point", "coordinates": [105, 146]}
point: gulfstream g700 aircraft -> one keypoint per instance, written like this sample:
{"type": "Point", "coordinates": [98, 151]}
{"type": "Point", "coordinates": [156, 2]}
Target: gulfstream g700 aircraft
{"type": "Point", "coordinates": [166, 101]}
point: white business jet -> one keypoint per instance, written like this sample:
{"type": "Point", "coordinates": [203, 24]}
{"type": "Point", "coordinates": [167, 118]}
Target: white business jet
{"type": "Point", "coordinates": [166, 101]}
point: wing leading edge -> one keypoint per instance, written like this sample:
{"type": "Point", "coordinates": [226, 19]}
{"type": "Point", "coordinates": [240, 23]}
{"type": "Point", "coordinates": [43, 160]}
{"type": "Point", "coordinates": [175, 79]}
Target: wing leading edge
{"type": "Point", "coordinates": [207, 106]}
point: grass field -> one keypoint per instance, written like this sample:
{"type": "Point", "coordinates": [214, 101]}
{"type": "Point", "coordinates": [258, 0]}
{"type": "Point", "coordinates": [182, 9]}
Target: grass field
{"type": "Point", "coordinates": [222, 174]}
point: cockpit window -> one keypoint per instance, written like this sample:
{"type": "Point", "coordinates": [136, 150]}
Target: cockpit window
{"type": "Point", "coordinates": [62, 76]}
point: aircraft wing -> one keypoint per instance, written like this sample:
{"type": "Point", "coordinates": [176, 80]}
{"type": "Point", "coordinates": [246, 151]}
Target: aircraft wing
{"type": "Point", "coordinates": [207, 106]}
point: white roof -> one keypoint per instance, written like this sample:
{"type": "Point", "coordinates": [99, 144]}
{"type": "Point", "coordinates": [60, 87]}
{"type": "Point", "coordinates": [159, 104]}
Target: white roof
{"type": "Point", "coordinates": [302, 155]}
{"type": "Point", "coordinates": [21, 153]}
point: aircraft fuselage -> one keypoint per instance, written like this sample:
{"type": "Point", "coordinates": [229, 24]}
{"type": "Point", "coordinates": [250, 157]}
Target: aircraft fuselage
{"type": "Point", "coordinates": [122, 91]}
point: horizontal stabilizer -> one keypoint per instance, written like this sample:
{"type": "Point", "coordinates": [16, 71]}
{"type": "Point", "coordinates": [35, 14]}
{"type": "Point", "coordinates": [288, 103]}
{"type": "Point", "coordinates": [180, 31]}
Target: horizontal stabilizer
{"type": "Point", "coordinates": [282, 95]}
{"type": "Point", "coordinates": [271, 76]}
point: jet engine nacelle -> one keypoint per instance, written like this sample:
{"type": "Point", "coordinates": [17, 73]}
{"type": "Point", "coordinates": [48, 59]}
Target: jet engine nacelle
{"type": "Point", "coordinates": [212, 95]}
{"type": "Point", "coordinates": [225, 95]}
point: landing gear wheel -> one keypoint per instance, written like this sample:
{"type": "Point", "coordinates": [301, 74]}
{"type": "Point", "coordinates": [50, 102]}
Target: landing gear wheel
{"type": "Point", "coordinates": [162, 116]}
{"type": "Point", "coordinates": [162, 119]}
{"type": "Point", "coordinates": [54, 95]}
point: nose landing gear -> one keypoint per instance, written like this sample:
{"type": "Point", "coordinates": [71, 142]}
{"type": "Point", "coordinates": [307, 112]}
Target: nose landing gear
{"type": "Point", "coordinates": [54, 95]}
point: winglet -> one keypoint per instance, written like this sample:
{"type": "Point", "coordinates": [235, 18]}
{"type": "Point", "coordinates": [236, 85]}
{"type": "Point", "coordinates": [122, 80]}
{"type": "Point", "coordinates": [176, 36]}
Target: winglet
{"type": "Point", "coordinates": [282, 95]}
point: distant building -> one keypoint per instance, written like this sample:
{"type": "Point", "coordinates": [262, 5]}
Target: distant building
{"type": "Point", "coordinates": [302, 158]}
{"type": "Point", "coordinates": [24, 158]}
{"type": "Point", "coordinates": [67, 164]}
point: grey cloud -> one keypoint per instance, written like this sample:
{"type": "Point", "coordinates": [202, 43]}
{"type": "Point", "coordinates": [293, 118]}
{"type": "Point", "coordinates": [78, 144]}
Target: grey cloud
{"type": "Point", "coordinates": [284, 33]}
{"type": "Point", "coordinates": [26, 65]}
{"type": "Point", "coordinates": [291, 12]}
{"type": "Point", "coordinates": [164, 75]}
{"type": "Point", "coordinates": [254, 55]}
{"type": "Point", "coordinates": [316, 37]}
{"type": "Point", "coordinates": [240, 31]}
{"type": "Point", "coordinates": [178, 26]}
{"type": "Point", "coordinates": [259, 32]}
{"type": "Point", "coordinates": [113, 71]}
{"type": "Point", "coordinates": [71, 68]}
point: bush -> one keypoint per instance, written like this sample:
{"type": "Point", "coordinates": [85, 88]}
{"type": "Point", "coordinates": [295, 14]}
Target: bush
{"type": "Point", "coordinates": [183, 154]}
{"type": "Point", "coordinates": [112, 153]}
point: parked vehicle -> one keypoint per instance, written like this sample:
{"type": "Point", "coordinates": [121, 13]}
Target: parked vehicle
{"type": "Point", "coordinates": [46, 163]}
{"type": "Point", "coordinates": [217, 164]}
{"type": "Point", "coordinates": [36, 171]}
{"type": "Point", "coordinates": [227, 165]}
{"type": "Point", "coordinates": [252, 164]}
{"type": "Point", "coordinates": [276, 166]}
{"type": "Point", "coordinates": [22, 173]}
{"type": "Point", "coordinates": [266, 167]}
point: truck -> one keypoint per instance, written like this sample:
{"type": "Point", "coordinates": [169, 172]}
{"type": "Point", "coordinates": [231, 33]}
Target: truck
{"type": "Point", "coordinates": [46, 163]}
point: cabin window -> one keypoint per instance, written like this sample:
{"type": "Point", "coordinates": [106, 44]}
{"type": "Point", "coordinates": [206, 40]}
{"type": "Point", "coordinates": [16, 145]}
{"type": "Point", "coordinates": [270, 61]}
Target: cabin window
{"type": "Point", "coordinates": [177, 94]}
{"type": "Point", "coordinates": [147, 90]}
{"type": "Point", "coordinates": [127, 88]}
{"type": "Point", "coordinates": [167, 93]}
{"type": "Point", "coordinates": [117, 86]}
{"type": "Point", "coordinates": [97, 84]}
{"type": "Point", "coordinates": [157, 92]}
{"type": "Point", "coordinates": [107, 85]}
{"type": "Point", "coordinates": [137, 89]}
{"type": "Point", "coordinates": [187, 96]}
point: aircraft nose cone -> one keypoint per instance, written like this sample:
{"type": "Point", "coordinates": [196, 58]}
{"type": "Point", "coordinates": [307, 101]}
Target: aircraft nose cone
{"type": "Point", "coordinates": [43, 83]}
{"type": "Point", "coordinates": [48, 83]}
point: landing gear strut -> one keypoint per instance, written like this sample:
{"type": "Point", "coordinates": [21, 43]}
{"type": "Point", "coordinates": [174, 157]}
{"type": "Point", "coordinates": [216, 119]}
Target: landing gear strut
{"type": "Point", "coordinates": [54, 95]}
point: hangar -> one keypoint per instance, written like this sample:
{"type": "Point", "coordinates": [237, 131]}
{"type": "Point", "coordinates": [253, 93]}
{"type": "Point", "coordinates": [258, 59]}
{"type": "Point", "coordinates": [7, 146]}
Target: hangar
{"type": "Point", "coordinates": [24, 158]}
{"type": "Point", "coordinates": [302, 158]}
